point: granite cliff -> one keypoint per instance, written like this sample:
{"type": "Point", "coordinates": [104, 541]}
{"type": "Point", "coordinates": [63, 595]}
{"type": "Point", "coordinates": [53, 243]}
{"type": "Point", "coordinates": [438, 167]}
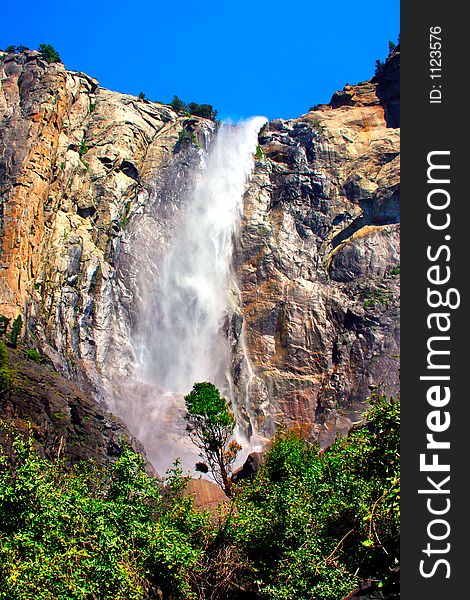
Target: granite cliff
{"type": "Point", "coordinates": [316, 260]}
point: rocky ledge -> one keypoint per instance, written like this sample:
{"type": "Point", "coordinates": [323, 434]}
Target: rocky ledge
{"type": "Point", "coordinates": [64, 421]}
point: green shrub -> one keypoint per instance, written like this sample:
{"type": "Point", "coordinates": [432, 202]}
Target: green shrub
{"type": "Point", "coordinates": [49, 53]}
{"type": "Point", "coordinates": [206, 111]}
{"type": "Point", "coordinates": [4, 323]}
{"type": "Point", "coordinates": [314, 525]}
{"type": "Point", "coordinates": [178, 105]}
{"type": "Point", "coordinates": [7, 373]}
{"type": "Point", "coordinates": [83, 148]}
{"type": "Point", "coordinates": [34, 355]}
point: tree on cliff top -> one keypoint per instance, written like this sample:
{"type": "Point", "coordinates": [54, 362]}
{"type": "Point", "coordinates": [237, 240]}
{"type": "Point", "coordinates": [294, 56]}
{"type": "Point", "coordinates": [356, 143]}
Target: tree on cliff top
{"type": "Point", "coordinates": [49, 53]}
{"type": "Point", "coordinates": [178, 105]}
{"type": "Point", "coordinates": [205, 111]}
{"type": "Point", "coordinates": [210, 426]}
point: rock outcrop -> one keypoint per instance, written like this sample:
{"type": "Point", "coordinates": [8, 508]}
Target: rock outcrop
{"type": "Point", "coordinates": [317, 258]}
{"type": "Point", "coordinates": [64, 421]}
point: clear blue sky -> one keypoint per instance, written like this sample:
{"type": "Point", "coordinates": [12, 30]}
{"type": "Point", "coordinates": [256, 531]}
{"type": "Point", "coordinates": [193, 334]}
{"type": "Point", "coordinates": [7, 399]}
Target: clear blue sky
{"type": "Point", "coordinates": [272, 58]}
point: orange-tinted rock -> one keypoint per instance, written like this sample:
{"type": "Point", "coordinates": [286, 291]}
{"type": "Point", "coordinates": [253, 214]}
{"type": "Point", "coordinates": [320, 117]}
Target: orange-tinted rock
{"type": "Point", "coordinates": [207, 495]}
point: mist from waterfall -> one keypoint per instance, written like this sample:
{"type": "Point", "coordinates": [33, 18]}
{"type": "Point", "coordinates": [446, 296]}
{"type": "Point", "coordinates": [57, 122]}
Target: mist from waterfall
{"type": "Point", "coordinates": [179, 338]}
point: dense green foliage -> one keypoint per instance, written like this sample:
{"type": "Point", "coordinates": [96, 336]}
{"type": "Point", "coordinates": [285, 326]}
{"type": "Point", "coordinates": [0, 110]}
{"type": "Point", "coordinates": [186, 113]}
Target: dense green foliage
{"type": "Point", "coordinates": [205, 111]}
{"type": "Point", "coordinates": [49, 53]}
{"type": "Point", "coordinates": [94, 533]}
{"type": "Point", "coordinates": [316, 524]}
{"type": "Point", "coordinates": [309, 526]}
{"type": "Point", "coordinates": [211, 425]}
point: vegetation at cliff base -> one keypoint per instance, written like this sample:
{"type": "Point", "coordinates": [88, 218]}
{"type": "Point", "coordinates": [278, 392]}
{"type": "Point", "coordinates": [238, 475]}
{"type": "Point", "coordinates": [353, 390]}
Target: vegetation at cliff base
{"type": "Point", "coordinates": [309, 525]}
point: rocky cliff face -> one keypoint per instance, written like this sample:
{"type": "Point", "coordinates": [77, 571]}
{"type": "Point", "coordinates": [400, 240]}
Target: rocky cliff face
{"type": "Point", "coordinates": [75, 160]}
{"type": "Point", "coordinates": [317, 258]}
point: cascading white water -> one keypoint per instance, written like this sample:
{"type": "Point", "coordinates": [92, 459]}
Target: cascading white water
{"type": "Point", "coordinates": [183, 343]}
{"type": "Point", "coordinates": [179, 338]}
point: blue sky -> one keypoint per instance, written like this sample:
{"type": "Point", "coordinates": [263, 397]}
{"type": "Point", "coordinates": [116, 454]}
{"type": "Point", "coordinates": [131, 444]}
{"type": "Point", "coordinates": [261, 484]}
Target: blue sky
{"type": "Point", "coordinates": [269, 58]}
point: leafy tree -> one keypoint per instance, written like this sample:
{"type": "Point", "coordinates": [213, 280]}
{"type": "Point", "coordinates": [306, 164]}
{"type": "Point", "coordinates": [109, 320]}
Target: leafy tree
{"type": "Point", "coordinates": [141, 96]}
{"type": "Point", "coordinates": [10, 49]}
{"type": "Point", "coordinates": [205, 111]}
{"type": "Point", "coordinates": [391, 46]}
{"type": "Point", "coordinates": [178, 105]}
{"type": "Point", "coordinates": [210, 426]}
{"type": "Point", "coordinates": [379, 66]}
{"type": "Point", "coordinates": [49, 53]}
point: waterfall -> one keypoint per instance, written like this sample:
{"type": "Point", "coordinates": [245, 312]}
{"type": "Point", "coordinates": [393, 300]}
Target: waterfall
{"type": "Point", "coordinates": [185, 293]}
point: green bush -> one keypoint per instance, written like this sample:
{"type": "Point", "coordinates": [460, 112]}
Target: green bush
{"type": "Point", "coordinates": [4, 323]}
{"type": "Point", "coordinates": [206, 111]}
{"type": "Point", "coordinates": [7, 373]}
{"type": "Point", "coordinates": [91, 532]}
{"type": "Point", "coordinates": [49, 53]}
{"type": "Point", "coordinates": [259, 152]}
{"type": "Point", "coordinates": [314, 525]}
{"type": "Point", "coordinates": [83, 148]}
{"type": "Point", "coordinates": [34, 355]}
